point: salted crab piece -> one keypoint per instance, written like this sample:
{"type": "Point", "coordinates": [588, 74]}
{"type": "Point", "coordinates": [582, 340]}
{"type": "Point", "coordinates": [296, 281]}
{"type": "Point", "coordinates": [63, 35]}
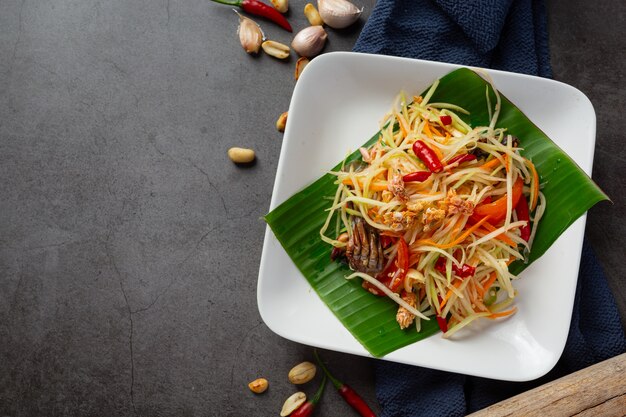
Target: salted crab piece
{"type": "Point", "coordinates": [364, 250]}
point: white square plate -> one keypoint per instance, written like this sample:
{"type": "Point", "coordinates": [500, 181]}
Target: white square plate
{"type": "Point", "coordinates": [336, 106]}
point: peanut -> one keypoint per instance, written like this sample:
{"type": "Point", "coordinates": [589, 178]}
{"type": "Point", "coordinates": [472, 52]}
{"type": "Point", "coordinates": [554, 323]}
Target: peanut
{"type": "Point", "coordinates": [258, 386]}
{"type": "Point", "coordinates": [241, 155]}
{"type": "Point", "coordinates": [281, 122]}
{"type": "Point", "coordinates": [292, 403]}
{"type": "Point", "coordinates": [313, 15]}
{"type": "Point", "coordinates": [281, 5]}
{"type": "Point", "coordinates": [302, 373]}
{"type": "Point", "coordinates": [300, 64]}
{"type": "Point", "coordinates": [276, 49]}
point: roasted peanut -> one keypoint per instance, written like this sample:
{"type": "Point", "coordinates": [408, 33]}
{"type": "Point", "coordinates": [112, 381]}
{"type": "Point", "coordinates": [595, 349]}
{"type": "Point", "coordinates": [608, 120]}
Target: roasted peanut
{"type": "Point", "coordinates": [281, 122]}
{"type": "Point", "coordinates": [300, 64]}
{"type": "Point", "coordinates": [312, 15]}
{"type": "Point", "coordinates": [292, 403]}
{"type": "Point", "coordinates": [302, 373]}
{"type": "Point", "coordinates": [241, 155]}
{"type": "Point", "coordinates": [276, 49]}
{"type": "Point", "coordinates": [258, 386]}
{"type": "Point", "coordinates": [281, 5]}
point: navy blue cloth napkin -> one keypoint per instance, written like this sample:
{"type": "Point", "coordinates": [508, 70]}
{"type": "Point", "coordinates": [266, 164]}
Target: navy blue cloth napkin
{"type": "Point", "coordinates": [509, 35]}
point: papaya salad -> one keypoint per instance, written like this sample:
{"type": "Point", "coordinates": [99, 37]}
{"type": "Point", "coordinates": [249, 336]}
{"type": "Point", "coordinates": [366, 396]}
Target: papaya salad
{"type": "Point", "coordinates": [434, 212]}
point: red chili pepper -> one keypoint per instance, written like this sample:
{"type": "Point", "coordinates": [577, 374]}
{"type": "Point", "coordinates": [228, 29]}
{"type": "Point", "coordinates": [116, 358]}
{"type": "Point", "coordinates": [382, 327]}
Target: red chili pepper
{"type": "Point", "coordinates": [428, 156]}
{"type": "Point", "coordinates": [462, 272]}
{"type": "Point", "coordinates": [466, 157]}
{"type": "Point", "coordinates": [441, 321]}
{"type": "Point", "coordinates": [385, 241]}
{"type": "Point", "coordinates": [522, 214]}
{"type": "Point", "coordinates": [348, 394]}
{"type": "Point", "coordinates": [419, 176]}
{"type": "Point", "coordinates": [308, 407]}
{"type": "Point", "coordinates": [445, 120]}
{"type": "Point", "coordinates": [260, 9]}
{"type": "Point", "coordinates": [393, 276]}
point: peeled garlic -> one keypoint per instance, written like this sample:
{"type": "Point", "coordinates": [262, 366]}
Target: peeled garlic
{"type": "Point", "coordinates": [250, 34]}
{"type": "Point", "coordinates": [338, 14]}
{"type": "Point", "coordinates": [309, 41]}
{"type": "Point", "coordinates": [281, 5]}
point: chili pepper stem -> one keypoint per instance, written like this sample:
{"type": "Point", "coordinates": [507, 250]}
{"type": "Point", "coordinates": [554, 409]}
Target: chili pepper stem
{"type": "Point", "coordinates": [320, 391]}
{"type": "Point", "coordinates": [334, 380]}
{"type": "Point", "coordinates": [229, 2]}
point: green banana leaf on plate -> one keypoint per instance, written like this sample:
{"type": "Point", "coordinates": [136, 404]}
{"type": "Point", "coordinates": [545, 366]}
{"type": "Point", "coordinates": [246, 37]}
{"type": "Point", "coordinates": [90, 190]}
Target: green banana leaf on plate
{"type": "Point", "coordinates": [370, 319]}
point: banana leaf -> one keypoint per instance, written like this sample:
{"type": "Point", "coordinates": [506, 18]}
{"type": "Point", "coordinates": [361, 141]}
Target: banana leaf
{"type": "Point", "coordinates": [371, 319]}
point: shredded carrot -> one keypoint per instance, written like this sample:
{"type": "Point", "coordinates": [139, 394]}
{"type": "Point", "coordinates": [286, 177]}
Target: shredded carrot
{"type": "Point", "coordinates": [427, 130]}
{"type": "Point", "coordinates": [403, 125]}
{"type": "Point", "coordinates": [436, 131]}
{"type": "Point", "coordinates": [374, 185]}
{"type": "Point", "coordinates": [447, 138]}
{"type": "Point", "coordinates": [487, 284]}
{"type": "Point", "coordinates": [437, 151]}
{"type": "Point", "coordinates": [457, 240]}
{"type": "Point", "coordinates": [489, 165]}
{"type": "Point", "coordinates": [502, 313]}
{"type": "Point", "coordinates": [449, 294]}
{"type": "Point", "coordinates": [533, 203]}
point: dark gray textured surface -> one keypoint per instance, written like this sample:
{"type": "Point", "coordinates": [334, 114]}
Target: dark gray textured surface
{"type": "Point", "coordinates": [130, 244]}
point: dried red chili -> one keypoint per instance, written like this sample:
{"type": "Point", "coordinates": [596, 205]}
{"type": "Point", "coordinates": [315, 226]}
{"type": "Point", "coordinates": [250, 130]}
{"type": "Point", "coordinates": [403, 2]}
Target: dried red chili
{"type": "Point", "coordinates": [419, 176]}
{"type": "Point", "coordinates": [260, 9]}
{"type": "Point", "coordinates": [428, 156]}
{"type": "Point", "coordinates": [348, 394]}
{"type": "Point", "coordinates": [466, 157]}
{"type": "Point", "coordinates": [462, 272]}
{"type": "Point", "coordinates": [523, 214]}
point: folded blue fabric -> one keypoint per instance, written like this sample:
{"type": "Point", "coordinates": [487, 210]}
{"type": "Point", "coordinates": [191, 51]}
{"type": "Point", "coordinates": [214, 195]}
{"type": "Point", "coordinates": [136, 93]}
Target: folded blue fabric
{"type": "Point", "coordinates": [503, 34]}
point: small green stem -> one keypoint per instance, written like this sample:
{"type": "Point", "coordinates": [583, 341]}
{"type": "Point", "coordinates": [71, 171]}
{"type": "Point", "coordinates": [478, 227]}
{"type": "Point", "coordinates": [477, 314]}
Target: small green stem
{"type": "Point", "coordinates": [320, 391]}
{"type": "Point", "coordinates": [338, 384]}
{"type": "Point", "coordinates": [230, 3]}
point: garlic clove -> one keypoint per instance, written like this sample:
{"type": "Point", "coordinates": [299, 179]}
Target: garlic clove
{"type": "Point", "coordinates": [309, 41]}
{"type": "Point", "coordinates": [338, 14]}
{"type": "Point", "coordinates": [250, 34]}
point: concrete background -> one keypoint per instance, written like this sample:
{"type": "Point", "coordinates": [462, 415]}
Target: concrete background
{"type": "Point", "coordinates": [130, 244]}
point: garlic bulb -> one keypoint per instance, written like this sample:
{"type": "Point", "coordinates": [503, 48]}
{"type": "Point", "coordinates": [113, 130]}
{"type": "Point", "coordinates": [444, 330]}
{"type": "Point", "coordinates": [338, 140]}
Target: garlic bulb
{"type": "Point", "coordinates": [309, 41]}
{"type": "Point", "coordinates": [338, 14]}
{"type": "Point", "coordinates": [250, 34]}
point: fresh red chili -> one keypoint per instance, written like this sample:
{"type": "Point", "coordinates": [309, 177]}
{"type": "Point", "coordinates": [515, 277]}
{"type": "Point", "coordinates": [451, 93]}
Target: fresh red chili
{"type": "Point", "coordinates": [462, 272]}
{"type": "Point", "coordinates": [393, 276]}
{"type": "Point", "coordinates": [522, 214]}
{"type": "Point", "coordinates": [419, 176]}
{"type": "Point", "coordinates": [348, 394]}
{"type": "Point", "coordinates": [445, 119]}
{"type": "Point", "coordinates": [466, 157]}
{"type": "Point", "coordinates": [308, 407]}
{"type": "Point", "coordinates": [428, 156]}
{"type": "Point", "coordinates": [260, 9]}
